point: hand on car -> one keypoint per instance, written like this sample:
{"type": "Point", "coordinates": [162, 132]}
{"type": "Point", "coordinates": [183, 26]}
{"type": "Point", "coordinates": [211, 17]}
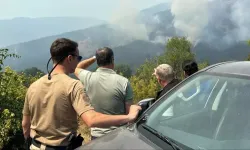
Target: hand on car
{"type": "Point", "coordinates": [133, 112]}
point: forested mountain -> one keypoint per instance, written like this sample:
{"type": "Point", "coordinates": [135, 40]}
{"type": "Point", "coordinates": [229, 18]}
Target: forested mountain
{"type": "Point", "coordinates": [137, 37]}
{"type": "Point", "coordinates": [23, 29]}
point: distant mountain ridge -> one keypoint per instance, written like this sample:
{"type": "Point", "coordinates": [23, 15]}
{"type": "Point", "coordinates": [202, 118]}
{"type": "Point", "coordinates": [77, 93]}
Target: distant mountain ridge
{"type": "Point", "coordinates": [22, 29]}
{"type": "Point", "coordinates": [127, 48]}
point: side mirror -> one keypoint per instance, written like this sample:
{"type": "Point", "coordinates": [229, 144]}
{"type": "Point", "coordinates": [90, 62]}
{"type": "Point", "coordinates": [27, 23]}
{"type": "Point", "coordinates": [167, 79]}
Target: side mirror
{"type": "Point", "coordinates": [145, 103]}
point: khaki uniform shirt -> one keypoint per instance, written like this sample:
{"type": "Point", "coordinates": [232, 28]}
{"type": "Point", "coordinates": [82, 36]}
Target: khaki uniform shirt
{"type": "Point", "coordinates": [53, 106]}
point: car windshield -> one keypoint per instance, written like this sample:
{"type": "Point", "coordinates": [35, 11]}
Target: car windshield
{"type": "Point", "coordinates": [207, 111]}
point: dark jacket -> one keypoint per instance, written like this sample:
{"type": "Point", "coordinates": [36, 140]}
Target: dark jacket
{"type": "Point", "coordinates": [168, 87]}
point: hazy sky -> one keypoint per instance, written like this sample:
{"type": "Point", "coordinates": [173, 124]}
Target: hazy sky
{"type": "Point", "coordinates": [101, 9]}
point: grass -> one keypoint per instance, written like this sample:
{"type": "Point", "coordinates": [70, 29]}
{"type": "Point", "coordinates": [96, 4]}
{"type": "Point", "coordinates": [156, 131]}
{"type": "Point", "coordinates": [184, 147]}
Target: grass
{"type": "Point", "coordinates": [84, 131]}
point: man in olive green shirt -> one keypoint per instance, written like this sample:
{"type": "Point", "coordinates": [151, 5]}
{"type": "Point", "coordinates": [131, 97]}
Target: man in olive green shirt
{"type": "Point", "coordinates": [109, 92]}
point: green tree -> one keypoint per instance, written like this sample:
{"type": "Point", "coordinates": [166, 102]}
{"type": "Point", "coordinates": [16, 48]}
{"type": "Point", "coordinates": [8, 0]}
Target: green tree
{"type": "Point", "coordinates": [124, 70]}
{"type": "Point", "coordinates": [177, 50]}
{"type": "Point", "coordinates": [3, 55]}
{"type": "Point", "coordinates": [248, 42]}
{"type": "Point", "coordinates": [203, 65]}
{"type": "Point", "coordinates": [144, 84]}
{"type": "Point", "coordinates": [33, 71]}
{"type": "Point", "coordinates": [13, 87]}
{"type": "Point", "coordinates": [248, 58]}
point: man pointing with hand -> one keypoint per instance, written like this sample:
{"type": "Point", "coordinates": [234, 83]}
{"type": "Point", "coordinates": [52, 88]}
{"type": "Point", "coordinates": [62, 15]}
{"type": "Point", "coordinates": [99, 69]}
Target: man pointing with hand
{"type": "Point", "coordinates": [109, 92]}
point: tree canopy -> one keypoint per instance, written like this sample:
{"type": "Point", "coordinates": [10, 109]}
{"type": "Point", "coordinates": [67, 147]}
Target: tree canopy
{"type": "Point", "coordinates": [33, 71]}
{"type": "Point", "coordinates": [13, 87]}
{"type": "Point", "coordinates": [124, 70]}
{"type": "Point", "coordinates": [177, 50]}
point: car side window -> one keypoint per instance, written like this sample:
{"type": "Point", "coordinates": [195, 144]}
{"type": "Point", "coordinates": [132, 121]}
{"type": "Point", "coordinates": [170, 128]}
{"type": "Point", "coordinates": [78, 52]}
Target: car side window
{"type": "Point", "coordinates": [191, 99]}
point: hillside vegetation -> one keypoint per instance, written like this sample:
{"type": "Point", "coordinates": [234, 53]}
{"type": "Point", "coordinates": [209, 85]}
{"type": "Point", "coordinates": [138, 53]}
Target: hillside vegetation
{"type": "Point", "coordinates": [13, 86]}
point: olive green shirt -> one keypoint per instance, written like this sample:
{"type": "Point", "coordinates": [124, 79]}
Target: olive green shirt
{"type": "Point", "coordinates": [108, 93]}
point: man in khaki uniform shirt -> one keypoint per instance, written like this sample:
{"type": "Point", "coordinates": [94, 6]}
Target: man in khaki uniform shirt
{"type": "Point", "coordinates": [53, 102]}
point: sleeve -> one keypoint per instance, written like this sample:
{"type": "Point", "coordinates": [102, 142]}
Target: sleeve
{"type": "Point", "coordinates": [26, 110]}
{"type": "Point", "coordinates": [80, 100]}
{"type": "Point", "coordinates": [84, 75]}
{"type": "Point", "coordinates": [129, 93]}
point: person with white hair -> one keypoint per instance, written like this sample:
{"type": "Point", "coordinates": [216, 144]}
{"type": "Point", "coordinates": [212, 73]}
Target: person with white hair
{"type": "Point", "coordinates": [166, 78]}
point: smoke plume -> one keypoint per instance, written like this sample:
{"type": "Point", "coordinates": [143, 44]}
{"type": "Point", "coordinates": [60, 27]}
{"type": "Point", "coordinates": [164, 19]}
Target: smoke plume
{"type": "Point", "coordinates": [219, 23]}
{"type": "Point", "coordinates": [126, 19]}
{"type": "Point", "coordinates": [241, 18]}
{"type": "Point", "coordinates": [190, 17]}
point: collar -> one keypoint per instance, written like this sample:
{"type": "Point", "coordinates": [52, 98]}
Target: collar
{"type": "Point", "coordinates": [106, 70]}
{"type": "Point", "coordinates": [171, 82]}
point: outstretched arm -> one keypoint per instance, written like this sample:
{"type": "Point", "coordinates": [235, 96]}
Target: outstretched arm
{"type": "Point", "coordinates": [81, 104]}
{"type": "Point", "coordinates": [83, 65]}
{"type": "Point", "coordinates": [95, 119]}
{"type": "Point", "coordinates": [128, 105]}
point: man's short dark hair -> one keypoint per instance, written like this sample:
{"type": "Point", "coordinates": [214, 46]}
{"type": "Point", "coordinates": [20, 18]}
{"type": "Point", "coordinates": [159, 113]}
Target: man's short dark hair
{"type": "Point", "coordinates": [104, 56]}
{"type": "Point", "coordinates": [62, 47]}
{"type": "Point", "coordinates": [190, 67]}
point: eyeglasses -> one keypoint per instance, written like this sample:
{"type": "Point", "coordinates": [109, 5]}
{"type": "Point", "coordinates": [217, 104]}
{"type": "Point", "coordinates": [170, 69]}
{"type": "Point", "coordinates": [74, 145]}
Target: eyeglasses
{"type": "Point", "coordinates": [79, 58]}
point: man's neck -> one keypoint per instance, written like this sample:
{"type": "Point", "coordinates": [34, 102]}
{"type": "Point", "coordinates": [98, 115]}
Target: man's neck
{"type": "Point", "coordinates": [60, 70]}
{"type": "Point", "coordinates": [108, 67]}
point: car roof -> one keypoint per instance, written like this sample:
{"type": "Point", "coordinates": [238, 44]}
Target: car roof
{"type": "Point", "coordinates": [231, 67]}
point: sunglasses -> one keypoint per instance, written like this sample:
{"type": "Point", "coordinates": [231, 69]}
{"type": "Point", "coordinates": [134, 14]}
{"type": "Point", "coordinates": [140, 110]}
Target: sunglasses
{"type": "Point", "coordinates": [79, 58]}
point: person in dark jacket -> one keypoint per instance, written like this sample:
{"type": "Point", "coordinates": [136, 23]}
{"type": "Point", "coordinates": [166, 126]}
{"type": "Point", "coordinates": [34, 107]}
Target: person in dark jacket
{"type": "Point", "coordinates": [189, 67]}
{"type": "Point", "coordinates": [166, 78]}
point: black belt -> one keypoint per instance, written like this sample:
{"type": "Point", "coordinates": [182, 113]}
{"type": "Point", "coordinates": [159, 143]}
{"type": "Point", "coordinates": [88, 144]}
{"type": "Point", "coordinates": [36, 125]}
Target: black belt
{"type": "Point", "coordinates": [38, 144]}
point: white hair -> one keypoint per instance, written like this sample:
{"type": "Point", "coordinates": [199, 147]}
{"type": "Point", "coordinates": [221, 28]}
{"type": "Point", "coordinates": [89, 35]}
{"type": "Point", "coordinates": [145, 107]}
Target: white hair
{"type": "Point", "coordinates": [164, 72]}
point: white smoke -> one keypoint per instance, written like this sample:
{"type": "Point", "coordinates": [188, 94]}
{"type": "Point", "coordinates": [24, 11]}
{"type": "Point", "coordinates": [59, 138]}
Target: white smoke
{"type": "Point", "coordinates": [190, 17]}
{"type": "Point", "coordinates": [125, 17]}
{"type": "Point", "coordinates": [161, 39]}
{"type": "Point", "coordinates": [86, 47]}
{"type": "Point", "coordinates": [219, 23]}
{"type": "Point", "coordinates": [241, 17]}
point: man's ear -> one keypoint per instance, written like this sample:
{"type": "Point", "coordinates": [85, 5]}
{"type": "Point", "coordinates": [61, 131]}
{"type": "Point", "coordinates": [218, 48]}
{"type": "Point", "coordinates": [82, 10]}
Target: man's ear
{"type": "Point", "coordinates": [69, 58]}
{"type": "Point", "coordinates": [112, 60]}
{"type": "Point", "coordinates": [159, 80]}
{"type": "Point", "coordinates": [184, 73]}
